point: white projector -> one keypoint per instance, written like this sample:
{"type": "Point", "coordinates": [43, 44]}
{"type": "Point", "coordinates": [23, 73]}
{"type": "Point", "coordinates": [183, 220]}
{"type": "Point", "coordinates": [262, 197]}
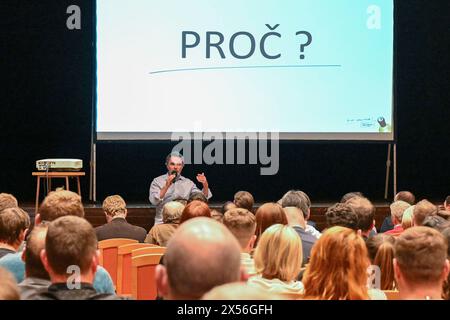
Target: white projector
{"type": "Point", "coordinates": [59, 164]}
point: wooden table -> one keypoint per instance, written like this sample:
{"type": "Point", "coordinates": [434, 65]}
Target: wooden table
{"type": "Point", "coordinates": [54, 175]}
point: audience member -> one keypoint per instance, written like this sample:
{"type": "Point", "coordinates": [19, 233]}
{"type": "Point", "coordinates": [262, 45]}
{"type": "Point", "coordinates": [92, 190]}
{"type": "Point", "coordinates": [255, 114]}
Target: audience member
{"type": "Point", "coordinates": [71, 259]}
{"type": "Point", "coordinates": [381, 253]}
{"type": "Point", "coordinates": [269, 214]}
{"type": "Point", "coordinates": [278, 261]}
{"type": "Point", "coordinates": [406, 196]}
{"type": "Point", "coordinates": [365, 211]}
{"type": "Point", "coordinates": [295, 206]}
{"type": "Point", "coordinates": [343, 215]}
{"type": "Point", "coordinates": [14, 223]}
{"type": "Point", "coordinates": [408, 218]}
{"type": "Point", "coordinates": [242, 224]}
{"type": "Point", "coordinates": [7, 201]}
{"type": "Point", "coordinates": [227, 206]}
{"type": "Point", "coordinates": [446, 287]}
{"type": "Point", "coordinates": [161, 233]}
{"type": "Point", "coordinates": [422, 210]}
{"type": "Point", "coordinates": [199, 196]}
{"type": "Point", "coordinates": [210, 257]}
{"type": "Point", "coordinates": [351, 195]}
{"type": "Point", "coordinates": [217, 215]}
{"type": "Point", "coordinates": [397, 210]}
{"type": "Point", "coordinates": [244, 199]}
{"type": "Point", "coordinates": [421, 265]}
{"type": "Point", "coordinates": [116, 226]}
{"type": "Point", "coordinates": [36, 279]}
{"type": "Point", "coordinates": [195, 209]}
{"type": "Point", "coordinates": [447, 203]}
{"type": "Point", "coordinates": [338, 268]}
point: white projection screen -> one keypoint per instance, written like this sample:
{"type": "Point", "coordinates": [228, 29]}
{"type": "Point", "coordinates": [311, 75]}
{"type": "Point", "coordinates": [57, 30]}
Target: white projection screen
{"type": "Point", "coordinates": [306, 69]}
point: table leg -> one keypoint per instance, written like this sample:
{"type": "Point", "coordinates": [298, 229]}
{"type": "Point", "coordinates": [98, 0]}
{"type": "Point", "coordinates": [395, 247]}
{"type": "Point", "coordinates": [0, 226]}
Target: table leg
{"type": "Point", "coordinates": [37, 193]}
{"type": "Point", "coordinates": [79, 188]}
{"type": "Point", "coordinates": [67, 183]}
{"type": "Point", "coordinates": [49, 185]}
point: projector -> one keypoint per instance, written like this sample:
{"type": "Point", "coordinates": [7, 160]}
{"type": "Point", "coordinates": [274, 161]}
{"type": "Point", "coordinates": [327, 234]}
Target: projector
{"type": "Point", "coordinates": [59, 164]}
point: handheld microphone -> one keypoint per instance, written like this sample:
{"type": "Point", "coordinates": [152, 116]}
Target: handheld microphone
{"type": "Point", "coordinates": [174, 172]}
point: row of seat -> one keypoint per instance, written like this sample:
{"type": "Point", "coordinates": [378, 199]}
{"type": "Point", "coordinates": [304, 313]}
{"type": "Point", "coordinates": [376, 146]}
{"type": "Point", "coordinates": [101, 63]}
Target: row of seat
{"type": "Point", "coordinates": [131, 266]}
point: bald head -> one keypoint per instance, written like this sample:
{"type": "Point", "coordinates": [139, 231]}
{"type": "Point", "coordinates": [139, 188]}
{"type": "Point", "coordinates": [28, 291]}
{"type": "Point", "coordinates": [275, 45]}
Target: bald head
{"type": "Point", "coordinates": [201, 255]}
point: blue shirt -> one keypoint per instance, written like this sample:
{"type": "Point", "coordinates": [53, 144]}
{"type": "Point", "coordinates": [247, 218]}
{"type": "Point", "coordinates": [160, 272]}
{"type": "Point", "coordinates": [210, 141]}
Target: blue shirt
{"type": "Point", "coordinates": [182, 188]}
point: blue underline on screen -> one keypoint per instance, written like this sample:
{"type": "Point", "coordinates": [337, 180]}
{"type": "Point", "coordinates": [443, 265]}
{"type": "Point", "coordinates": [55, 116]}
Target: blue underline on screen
{"type": "Point", "coordinates": [250, 67]}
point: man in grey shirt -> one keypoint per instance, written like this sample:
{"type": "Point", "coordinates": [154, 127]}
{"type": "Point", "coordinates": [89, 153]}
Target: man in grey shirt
{"type": "Point", "coordinates": [173, 186]}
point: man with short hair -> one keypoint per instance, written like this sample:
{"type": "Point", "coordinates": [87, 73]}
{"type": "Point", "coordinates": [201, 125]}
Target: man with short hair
{"type": "Point", "coordinates": [295, 205]}
{"type": "Point", "coordinates": [244, 199]}
{"type": "Point", "coordinates": [422, 210]}
{"type": "Point", "coordinates": [397, 210]}
{"type": "Point", "coordinates": [160, 234]}
{"type": "Point", "coordinates": [420, 264]}
{"type": "Point", "coordinates": [173, 185]}
{"type": "Point", "coordinates": [116, 226]}
{"type": "Point", "coordinates": [14, 223]}
{"type": "Point", "coordinates": [366, 214]}
{"type": "Point", "coordinates": [201, 255]}
{"type": "Point", "coordinates": [242, 224]}
{"type": "Point", "coordinates": [7, 201]}
{"type": "Point", "coordinates": [57, 204]}
{"type": "Point", "coordinates": [406, 196]}
{"type": "Point", "coordinates": [71, 259]}
{"type": "Point", "coordinates": [36, 279]}
{"type": "Point", "coordinates": [342, 214]}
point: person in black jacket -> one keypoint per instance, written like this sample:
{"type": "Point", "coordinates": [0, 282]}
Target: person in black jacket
{"type": "Point", "coordinates": [71, 259]}
{"type": "Point", "coordinates": [117, 225]}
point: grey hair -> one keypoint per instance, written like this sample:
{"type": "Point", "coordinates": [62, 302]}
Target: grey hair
{"type": "Point", "coordinates": [174, 154]}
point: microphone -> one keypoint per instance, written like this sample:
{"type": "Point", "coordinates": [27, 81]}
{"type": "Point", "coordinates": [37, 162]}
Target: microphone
{"type": "Point", "coordinates": [174, 172]}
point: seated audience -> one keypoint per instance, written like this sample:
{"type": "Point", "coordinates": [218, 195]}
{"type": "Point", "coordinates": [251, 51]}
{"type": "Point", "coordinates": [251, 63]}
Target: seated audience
{"type": "Point", "coordinates": [342, 214]}
{"type": "Point", "coordinates": [115, 210]}
{"type": "Point", "coordinates": [421, 266]}
{"type": "Point", "coordinates": [381, 254]}
{"type": "Point", "coordinates": [397, 210]}
{"type": "Point", "coordinates": [227, 206]}
{"type": "Point", "coordinates": [8, 287]}
{"type": "Point", "coordinates": [296, 208]}
{"type": "Point", "coordinates": [36, 279]}
{"type": "Point", "coordinates": [217, 215]}
{"type": "Point", "coordinates": [242, 224]}
{"type": "Point", "coordinates": [14, 223]}
{"type": "Point", "coordinates": [408, 218]}
{"type": "Point", "coordinates": [269, 214]}
{"type": "Point", "coordinates": [195, 209]}
{"type": "Point", "coordinates": [244, 199]}
{"type": "Point", "coordinates": [7, 201]}
{"type": "Point", "coordinates": [57, 204]}
{"type": "Point", "coordinates": [71, 259]}
{"type": "Point", "coordinates": [199, 196]}
{"type": "Point", "coordinates": [365, 211]}
{"type": "Point", "coordinates": [210, 257]}
{"type": "Point", "coordinates": [351, 195]}
{"type": "Point", "coordinates": [422, 210]}
{"type": "Point", "coordinates": [161, 233]}
{"type": "Point", "coordinates": [338, 268]}
{"type": "Point", "coordinates": [278, 261]}
{"type": "Point", "coordinates": [406, 196]}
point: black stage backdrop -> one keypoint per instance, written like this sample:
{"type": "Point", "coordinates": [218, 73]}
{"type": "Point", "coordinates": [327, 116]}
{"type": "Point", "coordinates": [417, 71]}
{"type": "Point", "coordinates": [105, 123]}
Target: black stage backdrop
{"type": "Point", "coordinates": [46, 111]}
